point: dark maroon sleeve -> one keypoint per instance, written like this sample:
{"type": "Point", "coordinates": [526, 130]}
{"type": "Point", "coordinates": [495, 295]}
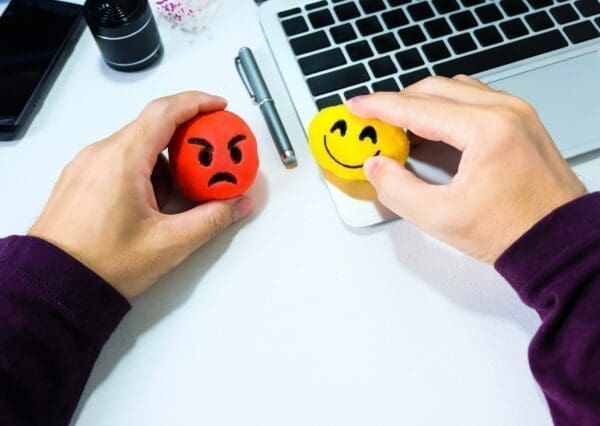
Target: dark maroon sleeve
{"type": "Point", "coordinates": [55, 316]}
{"type": "Point", "coordinates": [555, 269]}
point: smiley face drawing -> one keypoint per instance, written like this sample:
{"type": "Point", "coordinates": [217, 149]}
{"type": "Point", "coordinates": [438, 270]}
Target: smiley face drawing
{"type": "Point", "coordinates": [341, 142]}
{"type": "Point", "coordinates": [213, 156]}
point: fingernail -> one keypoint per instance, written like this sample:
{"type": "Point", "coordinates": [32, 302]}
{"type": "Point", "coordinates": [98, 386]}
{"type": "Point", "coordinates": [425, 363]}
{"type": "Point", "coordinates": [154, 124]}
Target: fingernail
{"type": "Point", "coordinates": [242, 208]}
{"type": "Point", "coordinates": [355, 100]}
{"type": "Point", "coordinates": [370, 167]}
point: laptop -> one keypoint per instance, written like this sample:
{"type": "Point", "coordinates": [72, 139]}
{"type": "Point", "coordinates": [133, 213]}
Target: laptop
{"type": "Point", "coordinates": [545, 51]}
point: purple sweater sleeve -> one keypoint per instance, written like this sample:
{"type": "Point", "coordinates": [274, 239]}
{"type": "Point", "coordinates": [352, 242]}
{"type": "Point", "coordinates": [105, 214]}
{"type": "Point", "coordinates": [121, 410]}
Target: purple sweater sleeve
{"type": "Point", "coordinates": [555, 269]}
{"type": "Point", "coordinates": [55, 316]}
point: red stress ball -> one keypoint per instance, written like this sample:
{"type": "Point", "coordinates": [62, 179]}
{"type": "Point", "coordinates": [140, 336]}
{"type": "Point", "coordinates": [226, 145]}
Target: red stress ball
{"type": "Point", "coordinates": [213, 156]}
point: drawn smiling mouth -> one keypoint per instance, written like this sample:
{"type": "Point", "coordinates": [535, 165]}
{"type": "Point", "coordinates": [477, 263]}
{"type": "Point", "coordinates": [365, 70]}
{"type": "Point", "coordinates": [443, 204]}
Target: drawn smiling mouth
{"type": "Point", "coordinates": [222, 177]}
{"type": "Point", "coordinates": [348, 166]}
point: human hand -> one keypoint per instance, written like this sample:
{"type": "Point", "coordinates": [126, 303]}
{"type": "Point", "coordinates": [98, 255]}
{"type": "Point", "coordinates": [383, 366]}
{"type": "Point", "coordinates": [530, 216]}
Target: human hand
{"type": "Point", "coordinates": [510, 174]}
{"type": "Point", "coordinates": [104, 212]}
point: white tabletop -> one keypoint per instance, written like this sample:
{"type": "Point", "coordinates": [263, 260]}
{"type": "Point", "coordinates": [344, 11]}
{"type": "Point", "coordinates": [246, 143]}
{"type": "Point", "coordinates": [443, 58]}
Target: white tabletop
{"type": "Point", "coordinates": [292, 318]}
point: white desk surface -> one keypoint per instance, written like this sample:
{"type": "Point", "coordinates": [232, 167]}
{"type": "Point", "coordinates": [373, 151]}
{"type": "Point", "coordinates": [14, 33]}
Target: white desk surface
{"type": "Point", "coordinates": [293, 318]}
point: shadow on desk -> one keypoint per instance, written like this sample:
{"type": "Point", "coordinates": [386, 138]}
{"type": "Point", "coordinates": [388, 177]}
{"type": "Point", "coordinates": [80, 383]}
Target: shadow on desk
{"type": "Point", "coordinates": [464, 281]}
{"type": "Point", "coordinates": [165, 297]}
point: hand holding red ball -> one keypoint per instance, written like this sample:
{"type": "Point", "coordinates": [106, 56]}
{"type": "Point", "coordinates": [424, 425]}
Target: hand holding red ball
{"type": "Point", "coordinates": [214, 156]}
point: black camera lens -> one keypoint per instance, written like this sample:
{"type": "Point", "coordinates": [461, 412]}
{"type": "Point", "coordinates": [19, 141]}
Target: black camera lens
{"type": "Point", "coordinates": [125, 32]}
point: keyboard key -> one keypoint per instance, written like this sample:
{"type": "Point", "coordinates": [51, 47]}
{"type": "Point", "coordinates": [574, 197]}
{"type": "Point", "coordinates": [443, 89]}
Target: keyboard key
{"type": "Point", "coordinates": [463, 20]}
{"type": "Point", "coordinates": [338, 79]}
{"type": "Point", "coordinates": [362, 90]}
{"type": "Point", "coordinates": [385, 43]}
{"type": "Point", "coordinates": [387, 85]}
{"type": "Point", "coordinates": [343, 33]}
{"type": "Point", "coordinates": [394, 18]}
{"type": "Point", "coordinates": [468, 3]}
{"type": "Point", "coordinates": [368, 26]}
{"type": "Point", "coordinates": [411, 35]}
{"type": "Point", "coordinates": [438, 28]}
{"type": "Point", "coordinates": [539, 21]}
{"type": "Point", "coordinates": [413, 77]}
{"type": "Point", "coordinates": [582, 31]}
{"type": "Point", "coordinates": [436, 51]}
{"type": "Point", "coordinates": [410, 58]}
{"type": "Point", "coordinates": [321, 18]}
{"type": "Point", "coordinates": [488, 35]}
{"type": "Point", "coordinates": [488, 13]}
{"type": "Point", "coordinates": [372, 6]}
{"type": "Point", "coordinates": [289, 12]}
{"type": "Point", "coordinates": [328, 101]}
{"type": "Point", "coordinates": [538, 4]}
{"type": "Point", "coordinates": [513, 7]}
{"type": "Point", "coordinates": [514, 28]}
{"type": "Point", "coordinates": [346, 11]}
{"type": "Point", "coordinates": [309, 42]}
{"type": "Point", "coordinates": [394, 3]}
{"type": "Point", "coordinates": [588, 7]}
{"type": "Point", "coordinates": [445, 6]}
{"type": "Point", "coordinates": [420, 11]}
{"type": "Point", "coordinates": [316, 5]}
{"type": "Point", "coordinates": [359, 50]}
{"type": "Point", "coordinates": [502, 55]}
{"type": "Point", "coordinates": [564, 13]}
{"type": "Point", "coordinates": [462, 43]}
{"type": "Point", "coordinates": [294, 26]}
{"type": "Point", "coordinates": [322, 61]}
{"type": "Point", "coordinates": [382, 66]}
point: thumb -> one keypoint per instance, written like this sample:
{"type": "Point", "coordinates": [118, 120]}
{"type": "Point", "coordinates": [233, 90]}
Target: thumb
{"type": "Point", "coordinates": [197, 226]}
{"type": "Point", "coordinates": [401, 190]}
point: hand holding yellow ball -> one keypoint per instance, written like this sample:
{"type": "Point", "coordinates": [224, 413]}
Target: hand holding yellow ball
{"type": "Point", "coordinates": [342, 142]}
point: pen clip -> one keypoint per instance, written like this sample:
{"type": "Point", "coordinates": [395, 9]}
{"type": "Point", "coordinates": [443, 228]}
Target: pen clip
{"type": "Point", "coordinates": [240, 70]}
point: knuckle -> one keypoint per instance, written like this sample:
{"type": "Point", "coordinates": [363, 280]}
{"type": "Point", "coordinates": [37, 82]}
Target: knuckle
{"type": "Point", "coordinates": [518, 106]}
{"type": "Point", "coordinates": [502, 93]}
{"type": "Point", "coordinates": [86, 154]}
{"type": "Point", "coordinates": [428, 83]}
{"type": "Point", "coordinates": [463, 77]}
{"type": "Point", "coordinates": [157, 107]}
{"type": "Point", "coordinates": [524, 108]}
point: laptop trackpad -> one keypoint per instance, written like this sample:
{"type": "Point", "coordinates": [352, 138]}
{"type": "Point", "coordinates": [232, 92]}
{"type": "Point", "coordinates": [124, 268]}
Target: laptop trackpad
{"type": "Point", "coordinates": [567, 97]}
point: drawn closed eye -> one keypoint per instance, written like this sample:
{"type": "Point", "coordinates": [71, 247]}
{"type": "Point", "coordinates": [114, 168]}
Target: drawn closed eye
{"type": "Point", "coordinates": [341, 126]}
{"type": "Point", "coordinates": [368, 132]}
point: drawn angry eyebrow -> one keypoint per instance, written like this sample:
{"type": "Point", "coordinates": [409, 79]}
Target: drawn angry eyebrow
{"type": "Point", "coordinates": [235, 139]}
{"type": "Point", "coordinates": [200, 141]}
{"type": "Point", "coordinates": [368, 132]}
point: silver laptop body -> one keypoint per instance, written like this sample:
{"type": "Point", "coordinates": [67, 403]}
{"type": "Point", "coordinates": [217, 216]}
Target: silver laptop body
{"type": "Point", "coordinates": [545, 51]}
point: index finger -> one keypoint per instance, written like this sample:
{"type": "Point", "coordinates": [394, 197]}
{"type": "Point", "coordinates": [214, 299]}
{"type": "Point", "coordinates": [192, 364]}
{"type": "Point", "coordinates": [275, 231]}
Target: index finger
{"type": "Point", "coordinates": [162, 116]}
{"type": "Point", "coordinates": [430, 117]}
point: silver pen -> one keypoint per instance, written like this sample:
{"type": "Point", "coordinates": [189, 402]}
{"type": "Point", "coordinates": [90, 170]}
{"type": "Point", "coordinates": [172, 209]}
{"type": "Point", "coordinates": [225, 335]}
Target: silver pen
{"type": "Point", "coordinates": [254, 82]}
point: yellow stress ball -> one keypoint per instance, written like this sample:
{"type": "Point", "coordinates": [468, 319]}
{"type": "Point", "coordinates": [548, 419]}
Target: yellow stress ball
{"type": "Point", "coordinates": [341, 142]}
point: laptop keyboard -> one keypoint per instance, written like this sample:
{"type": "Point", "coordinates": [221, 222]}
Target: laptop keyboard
{"type": "Point", "coordinates": [348, 48]}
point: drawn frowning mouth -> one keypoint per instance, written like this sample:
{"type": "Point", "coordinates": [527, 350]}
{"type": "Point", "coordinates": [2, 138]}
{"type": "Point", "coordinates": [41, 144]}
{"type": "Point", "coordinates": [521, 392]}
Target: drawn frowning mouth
{"type": "Point", "coordinates": [348, 166]}
{"type": "Point", "coordinates": [222, 177]}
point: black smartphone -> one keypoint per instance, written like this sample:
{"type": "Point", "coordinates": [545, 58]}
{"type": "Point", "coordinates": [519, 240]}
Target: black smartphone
{"type": "Point", "coordinates": [36, 38]}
